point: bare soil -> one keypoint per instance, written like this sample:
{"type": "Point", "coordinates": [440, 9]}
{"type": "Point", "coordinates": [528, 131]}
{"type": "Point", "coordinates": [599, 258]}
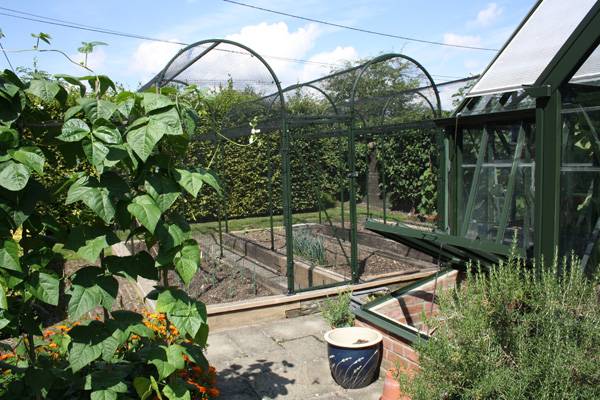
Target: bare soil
{"type": "Point", "coordinates": [219, 282]}
{"type": "Point", "coordinates": [371, 261]}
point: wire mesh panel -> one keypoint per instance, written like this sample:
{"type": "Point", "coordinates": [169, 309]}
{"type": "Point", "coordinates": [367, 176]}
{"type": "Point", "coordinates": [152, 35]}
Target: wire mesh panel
{"type": "Point", "coordinates": [313, 157]}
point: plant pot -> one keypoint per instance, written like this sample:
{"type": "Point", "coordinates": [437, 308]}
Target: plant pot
{"type": "Point", "coordinates": [354, 356]}
{"type": "Point", "coordinates": [391, 387]}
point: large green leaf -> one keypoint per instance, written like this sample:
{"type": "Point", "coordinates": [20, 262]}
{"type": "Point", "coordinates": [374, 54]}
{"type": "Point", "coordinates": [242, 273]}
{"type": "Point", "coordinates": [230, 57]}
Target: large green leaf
{"type": "Point", "coordinates": [142, 139]}
{"type": "Point", "coordinates": [9, 255]}
{"type": "Point", "coordinates": [9, 138]}
{"type": "Point", "coordinates": [31, 156]}
{"type": "Point", "coordinates": [140, 264]}
{"type": "Point", "coordinates": [96, 153]}
{"type": "Point", "coordinates": [146, 211]}
{"type": "Point", "coordinates": [3, 302]}
{"type": "Point", "coordinates": [154, 101]}
{"type": "Point", "coordinates": [187, 261]}
{"type": "Point", "coordinates": [96, 197]}
{"type": "Point", "coordinates": [74, 130]}
{"type": "Point", "coordinates": [166, 121]}
{"type": "Point", "coordinates": [105, 109]}
{"type": "Point", "coordinates": [13, 176]}
{"type": "Point", "coordinates": [45, 287]}
{"type": "Point", "coordinates": [83, 300]}
{"type": "Point", "coordinates": [102, 82]}
{"type": "Point", "coordinates": [170, 235]}
{"type": "Point", "coordinates": [83, 354]}
{"type": "Point", "coordinates": [186, 314]}
{"type": "Point", "coordinates": [44, 89]}
{"type": "Point", "coordinates": [158, 357]}
{"type": "Point", "coordinates": [142, 387]}
{"type": "Point", "coordinates": [107, 132]}
{"type": "Point", "coordinates": [90, 289]}
{"type": "Point", "coordinates": [163, 190]}
{"type": "Point", "coordinates": [177, 390]}
{"type": "Point", "coordinates": [192, 181]}
{"type": "Point", "coordinates": [88, 241]}
{"type": "Point", "coordinates": [73, 81]}
{"type": "Point", "coordinates": [125, 103]}
{"type": "Point", "coordinates": [71, 112]}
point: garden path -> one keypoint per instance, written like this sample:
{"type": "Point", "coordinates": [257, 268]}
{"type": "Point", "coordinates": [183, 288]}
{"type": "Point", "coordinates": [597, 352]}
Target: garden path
{"type": "Point", "coordinates": [284, 359]}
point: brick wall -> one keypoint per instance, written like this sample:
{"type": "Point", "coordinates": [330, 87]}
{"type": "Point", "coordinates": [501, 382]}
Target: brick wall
{"type": "Point", "coordinates": [408, 309]}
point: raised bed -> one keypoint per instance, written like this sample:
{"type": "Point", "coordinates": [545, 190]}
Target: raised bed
{"type": "Point", "coordinates": [378, 257]}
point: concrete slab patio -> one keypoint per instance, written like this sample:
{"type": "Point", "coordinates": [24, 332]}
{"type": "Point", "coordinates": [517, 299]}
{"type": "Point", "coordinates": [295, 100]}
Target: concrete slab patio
{"type": "Point", "coordinates": [283, 359]}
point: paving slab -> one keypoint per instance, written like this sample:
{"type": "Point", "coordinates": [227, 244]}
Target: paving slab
{"type": "Point", "coordinates": [253, 341]}
{"type": "Point", "coordinates": [293, 328]}
{"type": "Point", "coordinates": [285, 359]}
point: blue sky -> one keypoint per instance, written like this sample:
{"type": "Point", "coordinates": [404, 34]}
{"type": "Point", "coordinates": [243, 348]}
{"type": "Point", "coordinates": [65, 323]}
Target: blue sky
{"type": "Point", "coordinates": [132, 61]}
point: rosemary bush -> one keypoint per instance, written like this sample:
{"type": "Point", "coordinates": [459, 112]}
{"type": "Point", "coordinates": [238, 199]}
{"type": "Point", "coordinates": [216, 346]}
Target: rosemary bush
{"type": "Point", "coordinates": [336, 310]}
{"type": "Point", "coordinates": [514, 334]}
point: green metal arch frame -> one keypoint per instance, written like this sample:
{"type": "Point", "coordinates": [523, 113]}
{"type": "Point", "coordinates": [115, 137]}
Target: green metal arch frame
{"type": "Point", "coordinates": [352, 147]}
{"type": "Point", "coordinates": [158, 80]}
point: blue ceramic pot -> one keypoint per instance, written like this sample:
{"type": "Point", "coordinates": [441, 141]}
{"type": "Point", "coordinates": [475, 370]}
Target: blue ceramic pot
{"type": "Point", "coordinates": [354, 356]}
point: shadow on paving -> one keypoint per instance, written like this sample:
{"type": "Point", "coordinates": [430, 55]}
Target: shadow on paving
{"type": "Point", "coordinates": [254, 381]}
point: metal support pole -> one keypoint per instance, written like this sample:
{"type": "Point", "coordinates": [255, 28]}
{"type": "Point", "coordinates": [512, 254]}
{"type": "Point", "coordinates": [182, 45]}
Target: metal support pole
{"type": "Point", "coordinates": [384, 188]}
{"type": "Point", "coordinates": [367, 182]}
{"type": "Point", "coordinates": [220, 216]}
{"type": "Point", "coordinates": [270, 185]}
{"type": "Point", "coordinates": [287, 204]}
{"type": "Point", "coordinates": [547, 176]}
{"type": "Point", "coordinates": [442, 186]}
{"type": "Point", "coordinates": [342, 186]}
{"type": "Point", "coordinates": [353, 219]}
{"type": "Point", "coordinates": [225, 207]}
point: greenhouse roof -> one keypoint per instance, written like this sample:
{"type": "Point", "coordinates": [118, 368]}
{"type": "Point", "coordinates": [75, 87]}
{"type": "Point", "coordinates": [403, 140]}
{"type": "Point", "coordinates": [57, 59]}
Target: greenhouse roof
{"type": "Point", "coordinates": [543, 39]}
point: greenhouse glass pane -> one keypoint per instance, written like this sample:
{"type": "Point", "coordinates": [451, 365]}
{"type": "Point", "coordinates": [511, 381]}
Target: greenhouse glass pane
{"type": "Point", "coordinates": [589, 72]}
{"type": "Point", "coordinates": [533, 46]}
{"type": "Point", "coordinates": [502, 172]}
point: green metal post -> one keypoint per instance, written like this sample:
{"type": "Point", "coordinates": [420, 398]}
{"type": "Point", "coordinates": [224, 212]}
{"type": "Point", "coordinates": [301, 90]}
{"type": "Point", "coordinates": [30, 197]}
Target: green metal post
{"type": "Point", "coordinates": [342, 187]}
{"type": "Point", "coordinates": [270, 175]}
{"type": "Point", "coordinates": [547, 176]}
{"type": "Point", "coordinates": [287, 204]}
{"type": "Point", "coordinates": [225, 207]}
{"type": "Point", "coordinates": [442, 187]}
{"type": "Point", "coordinates": [220, 216]}
{"type": "Point", "coordinates": [220, 233]}
{"type": "Point", "coordinates": [367, 183]}
{"type": "Point", "coordinates": [353, 220]}
{"type": "Point", "coordinates": [384, 187]}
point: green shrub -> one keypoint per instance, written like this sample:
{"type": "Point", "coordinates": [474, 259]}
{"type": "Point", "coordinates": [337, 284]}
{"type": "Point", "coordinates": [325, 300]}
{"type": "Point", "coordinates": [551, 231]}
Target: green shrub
{"type": "Point", "coordinates": [310, 247]}
{"type": "Point", "coordinates": [336, 310]}
{"type": "Point", "coordinates": [512, 334]}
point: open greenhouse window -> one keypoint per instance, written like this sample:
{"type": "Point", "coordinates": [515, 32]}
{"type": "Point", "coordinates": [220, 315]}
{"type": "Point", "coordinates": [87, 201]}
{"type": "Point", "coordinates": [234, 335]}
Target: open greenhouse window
{"type": "Point", "coordinates": [411, 307]}
{"type": "Point", "coordinates": [543, 34]}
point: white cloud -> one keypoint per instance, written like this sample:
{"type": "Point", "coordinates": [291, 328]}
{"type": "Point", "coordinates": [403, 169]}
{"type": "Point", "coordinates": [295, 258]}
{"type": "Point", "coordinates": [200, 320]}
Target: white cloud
{"type": "Point", "coordinates": [488, 15]}
{"type": "Point", "coordinates": [150, 57]}
{"type": "Point", "coordinates": [461, 40]}
{"type": "Point", "coordinates": [339, 55]}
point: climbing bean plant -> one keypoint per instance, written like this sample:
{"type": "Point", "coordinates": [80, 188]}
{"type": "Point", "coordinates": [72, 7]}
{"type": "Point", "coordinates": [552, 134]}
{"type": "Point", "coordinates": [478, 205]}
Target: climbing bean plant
{"type": "Point", "coordinates": [122, 152]}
